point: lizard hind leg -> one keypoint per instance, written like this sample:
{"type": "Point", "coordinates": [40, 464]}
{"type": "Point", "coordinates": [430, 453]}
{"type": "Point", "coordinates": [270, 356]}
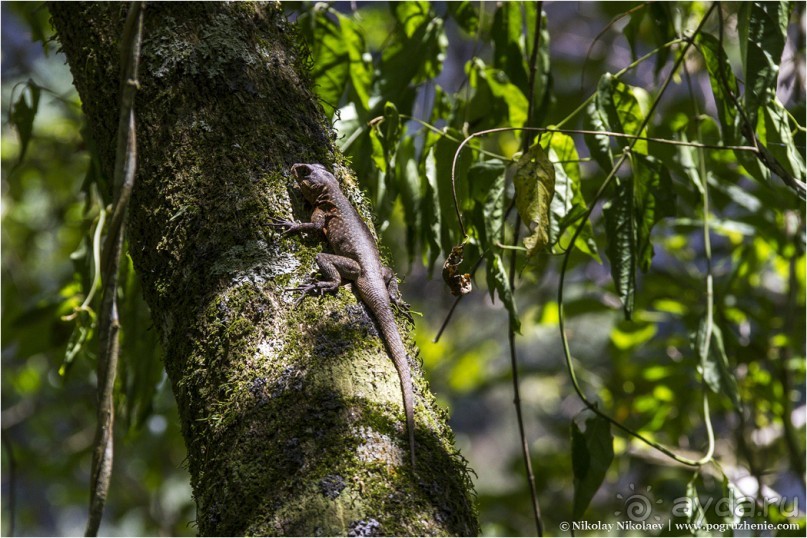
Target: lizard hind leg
{"type": "Point", "coordinates": [335, 271]}
{"type": "Point", "coordinates": [394, 295]}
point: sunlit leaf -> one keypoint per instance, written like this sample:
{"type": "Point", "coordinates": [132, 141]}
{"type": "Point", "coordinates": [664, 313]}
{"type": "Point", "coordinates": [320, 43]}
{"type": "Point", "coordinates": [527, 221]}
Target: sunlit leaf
{"type": "Point", "coordinates": [726, 94]}
{"type": "Point", "coordinates": [778, 136]}
{"type": "Point", "coordinates": [630, 335]}
{"type": "Point", "coordinates": [496, 98]}
{"type": "Point", "coordinates": [534, 182]}
{"type": "Point", "coordinates": [508, 36]}
{"type": "Point", "coordinates": [568, 204]}
{"type": "Point", "coordinates": [623, 108]}
{"type": "Point", "coordinates": [331, 67]}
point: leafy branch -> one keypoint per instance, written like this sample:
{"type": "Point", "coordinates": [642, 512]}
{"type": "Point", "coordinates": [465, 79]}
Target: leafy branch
{"type": "Point", "coordinates": [561, 313]}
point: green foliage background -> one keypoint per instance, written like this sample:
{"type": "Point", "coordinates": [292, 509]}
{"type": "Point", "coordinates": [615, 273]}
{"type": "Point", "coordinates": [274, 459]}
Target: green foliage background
{"type": "Point", "coordinates": [404, 84]}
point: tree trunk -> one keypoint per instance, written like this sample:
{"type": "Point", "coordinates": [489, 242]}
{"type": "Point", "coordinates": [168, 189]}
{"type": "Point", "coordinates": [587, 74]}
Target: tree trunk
{"type": "Point", "coordinates": [292, 417]}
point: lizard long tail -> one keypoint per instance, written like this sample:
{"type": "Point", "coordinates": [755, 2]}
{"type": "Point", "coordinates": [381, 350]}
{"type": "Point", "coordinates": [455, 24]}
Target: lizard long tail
{"type": "Point", "coordinates": [389, 330]}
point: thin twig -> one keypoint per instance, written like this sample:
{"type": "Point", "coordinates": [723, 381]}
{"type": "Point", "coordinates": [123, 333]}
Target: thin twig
{"type": "Point", "coordinates": [448, 318]}
{"type": "Point", "coordinates": [602, 33]}
{"type": "Point", "coordinates": [525, 447]}
{"type": "Point", "coordinates": [511, 334]}
{"type": "Point", "coordinates": [108, 323]}
{"type": "Point", "coordinates": [631, 137]}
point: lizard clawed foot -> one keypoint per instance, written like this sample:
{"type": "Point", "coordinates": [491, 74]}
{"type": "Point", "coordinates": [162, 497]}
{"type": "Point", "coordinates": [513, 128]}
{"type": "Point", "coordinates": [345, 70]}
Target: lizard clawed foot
{"type": "Point", "coordinates": [316, 288]}
{"type": "Point", "coordinates": [284, 225]}
{"type": "Point", "coordinates": [402, 307]}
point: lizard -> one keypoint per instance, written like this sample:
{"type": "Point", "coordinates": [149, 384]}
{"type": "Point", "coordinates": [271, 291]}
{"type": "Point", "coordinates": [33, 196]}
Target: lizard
{"type": "Point", "coordinates": [355, 260]}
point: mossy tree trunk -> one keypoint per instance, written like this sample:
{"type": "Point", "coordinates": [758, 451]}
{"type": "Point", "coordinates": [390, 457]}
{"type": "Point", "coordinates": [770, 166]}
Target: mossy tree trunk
{"type": "Point", "coordinates": [292, 417]}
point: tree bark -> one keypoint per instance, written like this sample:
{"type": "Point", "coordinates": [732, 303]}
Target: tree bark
{"type": "Point", "coordinates": [292, 417]}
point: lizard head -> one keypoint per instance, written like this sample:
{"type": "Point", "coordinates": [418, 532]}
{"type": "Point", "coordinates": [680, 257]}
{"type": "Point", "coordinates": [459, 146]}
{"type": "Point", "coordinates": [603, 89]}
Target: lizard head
{"type": "Point", "coordinates": [314, 179]}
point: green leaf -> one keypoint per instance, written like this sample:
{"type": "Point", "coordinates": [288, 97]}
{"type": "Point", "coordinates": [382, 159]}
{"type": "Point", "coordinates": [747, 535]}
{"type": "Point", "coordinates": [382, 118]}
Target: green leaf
{"type": "Point", "coordinates": [663, 31]}
{"type": "Point", "coordinates": [37, 21]}
{"type": "Point", "coordinates": [654, 199]}
{"type": "Point", "coordinates": [542, 97]}
{"type": "Point", "coordinates": [508, 38]}
{"type": "Point", "coordinates": [495, 99]}
{"type": "Point", "coordinates": [141, 367]}
{"type": "Point", "coordinates": [330, 68]}
{"type": "Point", "coordinates": [715, 363]}
{"type": "Point", "coordinates": [622, 108]}
{"type": "Point", "coordinates": [568, 204]}
{"type": "Point", "coordinates": [632, 29]}
{"type": "Point", "coordinates": [430, 216]}
{"type": "Point", "coordinates": [408, 177]}
{"type": "Point", "coordinates": [465, 14]}
{"type": "Point", "coordinates": [22, 115]}
{"type": "Point", "coordinates": [693, 508]}
{"type": "Point", "coordinates": [83, 331]}
{"type": "Point", "coordinates": [654, 24]}
{"type": "Point", "coordinates": [486, 181]}
{"type": "Point", "coordinates": [778, 136]}
{"type": "Point", "coordinates": [534, 183]}
{"type": "Point", "coordinates": [617, 107]}
{"type": "Point", "coordinates": [763, 31]}
{"type": "Point", "coordinates": [621, 247]}
{"type": "Point", "coordinates": [360, 67]}
{"type": "Point", "coordinates": [482, 176]}
{"type": "Point", "coordinates": [503, 89]}
{"type": "Point", "coordinates": [724, 86]}
{"type": "Point", "coordinates": [592, 453]}
{"type": "Point", "coordinates": [639, 203]}
{"type": "Point", "coordinates": [416, 57]}
{"type": "Point", "coordinates": [411, 15]}
{"type": "Point", "coordinates": [497, 280]}
{"type": "Point", "coordinates": [385, 138]}
{"type": "Point", "coordinates": [598, 145]}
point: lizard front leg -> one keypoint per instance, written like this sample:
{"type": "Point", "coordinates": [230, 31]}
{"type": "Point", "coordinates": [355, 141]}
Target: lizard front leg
{"type": "Point", "coordinates": [290, 227]}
